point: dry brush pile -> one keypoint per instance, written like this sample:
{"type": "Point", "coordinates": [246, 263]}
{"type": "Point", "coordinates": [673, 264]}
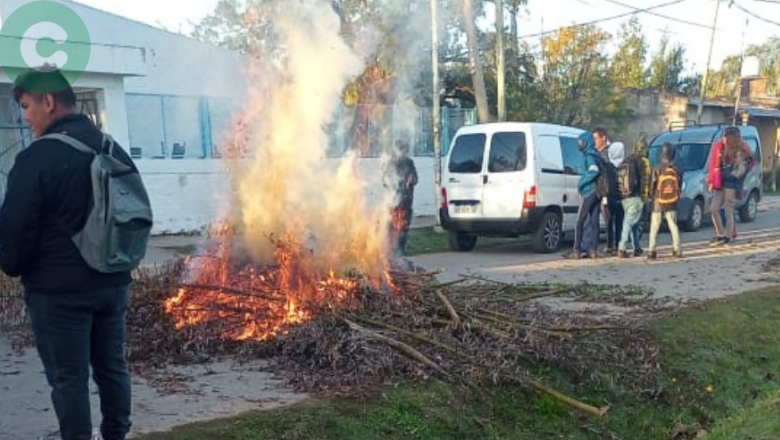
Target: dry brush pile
{"type": "Point", "coordinates": [468, 332]}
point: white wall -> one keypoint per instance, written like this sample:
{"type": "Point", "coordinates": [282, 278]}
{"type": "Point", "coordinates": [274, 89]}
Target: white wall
{"type": "Point", "coordinates": [172, 64]}
{"type": "Point", "coordinates": [188, 194]}
{"type": "Point", "coordinates": [113, 54]}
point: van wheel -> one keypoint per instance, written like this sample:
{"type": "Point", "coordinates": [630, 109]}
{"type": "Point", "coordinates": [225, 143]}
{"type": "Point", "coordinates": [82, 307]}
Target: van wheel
{"type": "Point", "coordinates": [462, 241]}
{"type": "Point", "coordinates": [749, 212]}
{"type": "Point", "coordinates": [547, 238]}
{"type": "Point", "coordinates": [695, 218]}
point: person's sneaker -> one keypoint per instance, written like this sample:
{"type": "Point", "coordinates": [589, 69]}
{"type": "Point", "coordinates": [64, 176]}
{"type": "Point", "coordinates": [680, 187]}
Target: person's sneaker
{"type": "Point", "coordinates": [677, 254]}
{"type": "Point", "coordinates": [638, 252]}
{"type": "Point", "coordinates": [593, 255]}
{"type": "Point", "coordinates": [715, 241]}
{"type": "Point", "coordinates": [652, 255]}
{"type": "Point", "coordinates": [572, 255]}
{"type": "Point", "coordinates": [734, 236]}
{"type": "Point", "coordinates": [622, 253]}
{"type": "Point", "coordinates": [610, 251]}
{"type": "Point", "coordinates": [725, 240]}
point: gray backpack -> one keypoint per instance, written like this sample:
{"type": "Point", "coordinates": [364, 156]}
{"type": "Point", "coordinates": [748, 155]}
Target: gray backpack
{"type": "Point", "coordinates": [117, 230]}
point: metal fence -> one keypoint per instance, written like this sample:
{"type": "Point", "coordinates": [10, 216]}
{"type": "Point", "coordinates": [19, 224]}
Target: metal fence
{"type": "Point", "coordinates": [371, 130]}
{"type": "Point", "coordinates": [175, 127]}
{"type": "Point", "coordinates": [14, 136]}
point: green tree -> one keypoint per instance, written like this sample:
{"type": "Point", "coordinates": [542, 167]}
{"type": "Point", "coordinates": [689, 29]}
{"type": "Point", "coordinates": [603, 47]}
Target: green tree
{"type": "Point", "coordinates": [724, 82]}
{"type": "Point", "coordinates": [666, 66]}
{"type": "Point", "coordinates": [769, 54]}
{"type": "Point", "coordinates": [628, 64]}
{"type": "Point", "coordinates": [576, 83]}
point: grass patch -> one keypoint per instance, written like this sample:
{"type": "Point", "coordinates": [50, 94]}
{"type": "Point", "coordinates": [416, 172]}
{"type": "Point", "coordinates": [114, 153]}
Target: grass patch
{"type": "Point", "coordinates": [721, 367]}
{"type": "Point", "coordinates": [759, 422]}
{"type": "Point", "coordinates": [428, 241]}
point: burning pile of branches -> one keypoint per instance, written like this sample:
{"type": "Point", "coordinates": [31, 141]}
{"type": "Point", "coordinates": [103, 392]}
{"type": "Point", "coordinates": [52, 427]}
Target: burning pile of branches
{"type": "Point", "coordinates": [347, 332]}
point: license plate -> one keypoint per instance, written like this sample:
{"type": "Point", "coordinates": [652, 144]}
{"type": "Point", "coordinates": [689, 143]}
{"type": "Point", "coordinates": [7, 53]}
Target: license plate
{"type": "Point", "coordinates": [465, 209]}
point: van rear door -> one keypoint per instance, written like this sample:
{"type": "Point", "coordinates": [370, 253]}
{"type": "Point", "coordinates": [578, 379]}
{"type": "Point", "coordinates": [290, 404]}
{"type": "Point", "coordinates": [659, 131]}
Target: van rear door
{"type": "Point", "coordinates": [464, 176]}
{"type": "Point", "coordinates": [508, 176]}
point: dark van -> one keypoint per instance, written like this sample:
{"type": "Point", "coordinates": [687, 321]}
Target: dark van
{"type": "Point", "coordinates": [693, 145]}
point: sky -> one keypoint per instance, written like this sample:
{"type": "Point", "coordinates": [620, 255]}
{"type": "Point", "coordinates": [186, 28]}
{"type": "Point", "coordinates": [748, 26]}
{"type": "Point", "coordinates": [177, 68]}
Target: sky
{"type": "Point", "coordinates": [546, 15]}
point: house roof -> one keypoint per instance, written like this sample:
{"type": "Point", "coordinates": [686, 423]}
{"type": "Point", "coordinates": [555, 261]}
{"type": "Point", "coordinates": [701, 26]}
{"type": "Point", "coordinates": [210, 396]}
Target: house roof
{"type": "Point", "coordinates": [762, 112]}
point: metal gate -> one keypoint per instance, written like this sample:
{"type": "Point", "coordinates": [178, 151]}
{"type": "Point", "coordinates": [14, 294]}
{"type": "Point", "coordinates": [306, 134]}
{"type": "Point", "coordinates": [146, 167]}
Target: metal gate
{"type": "Point", "coordinates": [14, 136]}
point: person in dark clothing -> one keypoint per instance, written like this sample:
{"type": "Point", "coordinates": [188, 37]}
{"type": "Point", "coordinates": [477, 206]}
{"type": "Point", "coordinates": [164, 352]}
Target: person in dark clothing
{"type": "Point", "coordinates": [77, 314]}
{"type": "Point", "coordinates": [401, 176]}
{"type": "Point", "coordinates": [586, 233]}
{"type": "Point", "coordinates": [612, 208]}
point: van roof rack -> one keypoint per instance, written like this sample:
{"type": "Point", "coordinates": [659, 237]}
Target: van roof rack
{"type": "Point", "coordinates": [681, 125]}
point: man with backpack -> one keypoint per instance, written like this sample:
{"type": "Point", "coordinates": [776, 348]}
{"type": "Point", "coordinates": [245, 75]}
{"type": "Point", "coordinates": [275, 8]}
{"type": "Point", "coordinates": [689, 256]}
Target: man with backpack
{"type": "Point", "coordinates": [610, 157]}
{"type": "Point", "coordinates": [74, 223]}
{"type": "Point", "coordinates": [586, 232]}
{"type": "Point", "coordinates": [632, 180]}
{"type": "Point", "coordinates": [666, 186]}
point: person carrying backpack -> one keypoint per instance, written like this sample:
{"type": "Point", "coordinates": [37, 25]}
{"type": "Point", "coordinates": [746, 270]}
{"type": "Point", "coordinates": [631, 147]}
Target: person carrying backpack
{"type": "Point", "coordinates": [611, 155]}
{"type": "Point", "coordinates": [666, 188]}
{"type": "Point", "coordinates": [586, 232]}
{"type": "Point", "coordinates": [640, 150]}
{"type": "Point", "coordinates": [74, 222]}
{"type": "Point", "coordinates": [631, 177]}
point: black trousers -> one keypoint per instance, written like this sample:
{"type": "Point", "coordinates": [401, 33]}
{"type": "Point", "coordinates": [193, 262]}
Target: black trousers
{"type": "Point", "coordinates": [613, 219]}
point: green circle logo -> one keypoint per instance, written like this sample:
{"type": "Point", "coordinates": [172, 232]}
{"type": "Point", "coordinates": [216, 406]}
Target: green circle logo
{"type": "Point", "coordinates": [48, 37]}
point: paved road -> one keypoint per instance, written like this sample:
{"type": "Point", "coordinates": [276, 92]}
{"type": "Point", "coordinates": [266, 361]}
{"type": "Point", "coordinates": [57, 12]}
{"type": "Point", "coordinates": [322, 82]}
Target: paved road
{"type": "Point", "coordinates": [704, 272]}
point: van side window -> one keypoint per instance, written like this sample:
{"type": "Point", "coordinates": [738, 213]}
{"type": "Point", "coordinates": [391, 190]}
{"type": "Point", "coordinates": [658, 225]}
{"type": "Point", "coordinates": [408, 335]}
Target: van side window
{"type": "Point", "coordinates": [507, 152]}
{"type": "Point", "coordinates": [753, 144]}
{"type": "Point", "coordinates": [573, 162]}
{"type": "Point", "coordinates": [467, 154]}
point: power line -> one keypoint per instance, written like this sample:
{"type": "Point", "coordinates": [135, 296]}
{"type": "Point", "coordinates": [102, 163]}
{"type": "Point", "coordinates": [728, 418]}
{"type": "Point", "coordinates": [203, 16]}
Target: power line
{"type": "Point", "coordinates": [679, 20]}
{"type": "Point", "coordinates": [777, 2]}
{"type": "Point", "coordinates": [756, 15]}
{"type": "Point", "coordinates": [600, 20]}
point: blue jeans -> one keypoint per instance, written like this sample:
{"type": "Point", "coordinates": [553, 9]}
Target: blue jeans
{"type": "Point", "coordinates": [632, 207]}
{"type": "Point", "coordinates": [76, 330]}
{"type": "Point", "coordinates": [586, 233]}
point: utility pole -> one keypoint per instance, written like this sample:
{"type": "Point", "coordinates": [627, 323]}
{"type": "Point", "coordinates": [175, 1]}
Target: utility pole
{"type": "Point", "coordinates": [436, 112]}
{"type": "Point", "coordinates": [739, 77]}
{"type": "Point", "coordinates": [706, 75]}
{"type": "Point", "coordinates": [500, 68]}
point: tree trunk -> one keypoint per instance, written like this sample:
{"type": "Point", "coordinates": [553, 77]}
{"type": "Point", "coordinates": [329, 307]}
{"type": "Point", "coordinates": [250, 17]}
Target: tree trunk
{"type": "Point", "coordinates": [500, 66]}
{"type": "Point", "coordinates": [480, 95]}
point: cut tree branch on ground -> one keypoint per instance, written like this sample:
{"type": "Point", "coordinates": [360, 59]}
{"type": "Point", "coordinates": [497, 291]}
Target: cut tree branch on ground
{"type": "Point", "coordinates": [253, 293]}
{"type": "Point", "coordinates": [405, 349]}
{"type": "Point", "coordinates": [574, 403]}
{"type": "Point", "coordinates": [450, 309]}
{"type": "Point", "coordinates": [555, 292]}
{"type": "Point", "coordinates": [408, 333]}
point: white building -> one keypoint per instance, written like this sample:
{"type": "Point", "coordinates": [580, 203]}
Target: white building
{"type": "Point", "coordinates": [161, 95]}
{"type": "Point", "coordinates": [171, 101]}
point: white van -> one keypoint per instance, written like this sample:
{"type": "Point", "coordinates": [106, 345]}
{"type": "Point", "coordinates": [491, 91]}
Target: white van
{"type": "Point", "coordinates": [511, 178]}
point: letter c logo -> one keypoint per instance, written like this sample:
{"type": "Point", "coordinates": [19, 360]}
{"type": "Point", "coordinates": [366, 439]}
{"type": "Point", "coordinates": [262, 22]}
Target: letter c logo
{"type": "Point", "coordinates": [42, 33]}
{"type": "Point", "coordinates": [34, 35]}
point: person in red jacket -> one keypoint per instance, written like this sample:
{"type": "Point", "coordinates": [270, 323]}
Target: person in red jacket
{"type": "Point", "coordinates": [729, 162]}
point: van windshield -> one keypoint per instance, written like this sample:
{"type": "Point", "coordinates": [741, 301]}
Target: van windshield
{"type": "Point", "coordinates": [467, 154]}
{"type": "Point", "coordinates": [687, 157]}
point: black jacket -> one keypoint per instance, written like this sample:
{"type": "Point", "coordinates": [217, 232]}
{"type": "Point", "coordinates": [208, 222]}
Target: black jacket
{"type": "Point", "coordinates": [403, 175]}
{"type": "Point", "coordinates": [47, 201]}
